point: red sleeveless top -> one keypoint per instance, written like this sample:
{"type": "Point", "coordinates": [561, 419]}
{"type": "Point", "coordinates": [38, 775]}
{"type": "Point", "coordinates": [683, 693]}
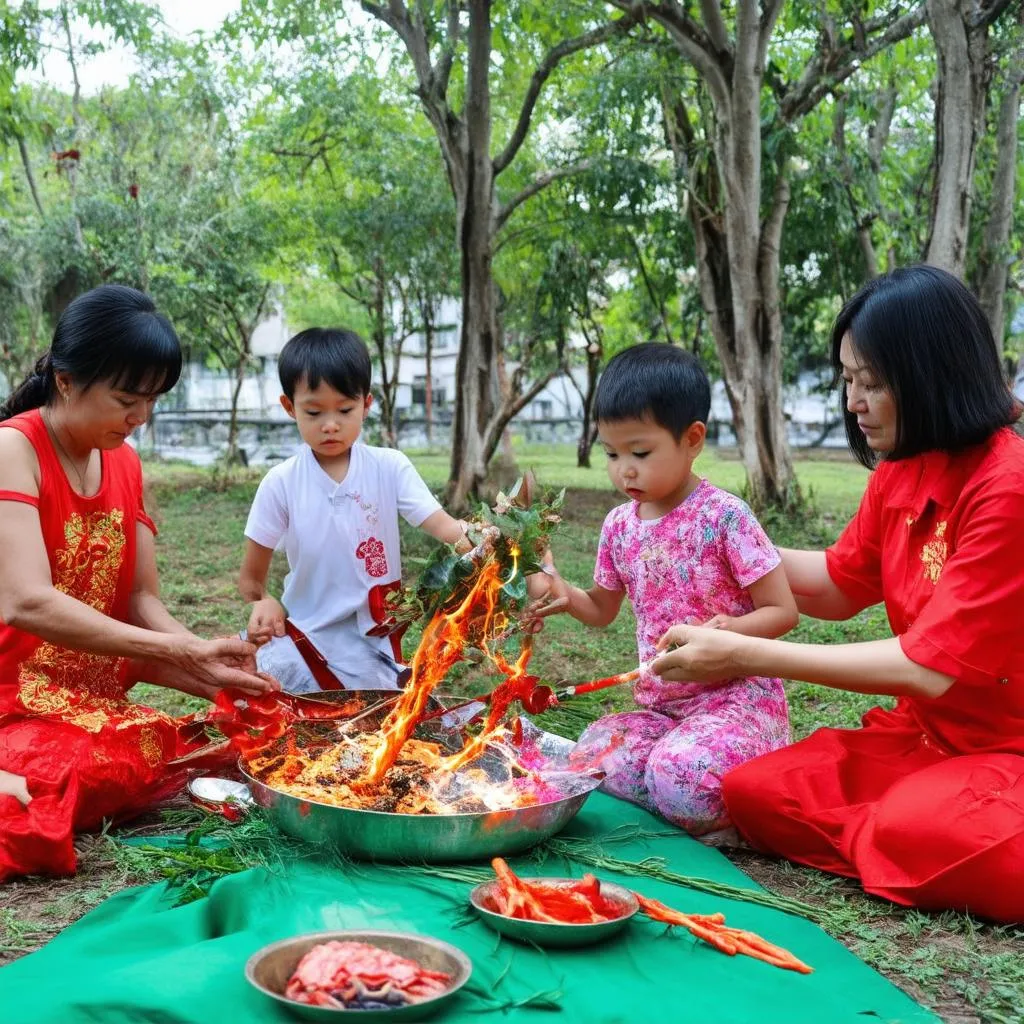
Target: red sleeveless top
{"type": "Point", "coordinates": [91, 547]}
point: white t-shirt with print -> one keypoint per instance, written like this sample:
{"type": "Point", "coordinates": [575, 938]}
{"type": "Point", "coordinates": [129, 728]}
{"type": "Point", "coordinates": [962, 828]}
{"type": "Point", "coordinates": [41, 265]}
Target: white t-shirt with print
{"type": "Point", "coordinates": [341, 541]}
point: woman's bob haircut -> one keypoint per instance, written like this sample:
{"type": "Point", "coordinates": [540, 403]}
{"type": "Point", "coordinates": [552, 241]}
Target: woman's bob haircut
{"type": "Point", "coordinates": [926, 339]}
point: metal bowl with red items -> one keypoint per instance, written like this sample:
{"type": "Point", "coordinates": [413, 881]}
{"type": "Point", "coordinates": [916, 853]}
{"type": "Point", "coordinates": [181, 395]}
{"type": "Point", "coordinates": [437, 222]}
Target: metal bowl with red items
{"type": "Point", "coordinates": [620, 905]}
{"type": "Point", "coordinates": [392, 976]}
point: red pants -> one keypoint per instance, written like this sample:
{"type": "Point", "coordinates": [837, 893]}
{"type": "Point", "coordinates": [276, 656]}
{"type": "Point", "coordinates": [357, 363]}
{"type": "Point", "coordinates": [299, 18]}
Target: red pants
{"type": "Point", "coordinates": [916, 825]}
{"type": "Point", "coordinates": [77, 779]}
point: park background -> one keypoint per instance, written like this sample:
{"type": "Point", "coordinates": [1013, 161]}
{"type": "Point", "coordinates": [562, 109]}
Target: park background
{"type": "Point", "coordinates": [499, 197]}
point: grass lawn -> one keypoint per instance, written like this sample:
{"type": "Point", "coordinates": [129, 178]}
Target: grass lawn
{"type": "Point", "coordinates": [967, 971]}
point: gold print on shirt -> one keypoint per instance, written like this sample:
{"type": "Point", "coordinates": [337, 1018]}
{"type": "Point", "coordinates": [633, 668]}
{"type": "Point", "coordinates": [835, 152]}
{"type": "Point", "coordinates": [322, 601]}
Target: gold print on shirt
{"type": "Point", "coordinates": [74, 686]}
{"type": "Point", "coordinates": [934, 553]}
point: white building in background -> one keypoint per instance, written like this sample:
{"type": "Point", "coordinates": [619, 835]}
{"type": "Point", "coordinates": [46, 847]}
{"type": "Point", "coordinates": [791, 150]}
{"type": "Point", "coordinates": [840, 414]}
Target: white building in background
{"type": "Point", "coordinates": [203, 389]}
{"type": "Point", "coordinates": [204, 396]}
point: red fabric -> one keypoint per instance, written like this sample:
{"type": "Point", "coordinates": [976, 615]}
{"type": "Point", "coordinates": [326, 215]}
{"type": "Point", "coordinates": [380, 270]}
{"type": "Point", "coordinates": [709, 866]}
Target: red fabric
{"type": "Point", "coordinates": [87, 752]}
{"type": "Point", "coordinates": [924, 804]}
{"type": "Point", "coordinates": [24, 499]}
{"type": "Point", "coordinates": [952, 578]}
{"type": "Point", "coordinates": [381, 613]}
{"type": "Point", "coordinates": [315, 661]}
{"type": "Point", "coordinates": [883, 804]}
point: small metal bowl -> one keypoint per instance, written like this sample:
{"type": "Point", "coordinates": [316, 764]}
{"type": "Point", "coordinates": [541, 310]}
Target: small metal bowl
{"type": "Point", "coordinates": [269, 970]}
{"type": "Point", "coordinates": [561, 936]}
{"type": "Point", "coordinates": [210, 790]}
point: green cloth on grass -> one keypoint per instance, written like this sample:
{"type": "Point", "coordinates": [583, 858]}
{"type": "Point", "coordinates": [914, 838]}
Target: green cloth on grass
{"type": "Point", "coordinates": [138, 958]}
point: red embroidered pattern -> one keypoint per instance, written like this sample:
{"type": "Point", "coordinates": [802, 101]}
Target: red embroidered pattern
{"type": "Point", "coordinates": [371, 551]}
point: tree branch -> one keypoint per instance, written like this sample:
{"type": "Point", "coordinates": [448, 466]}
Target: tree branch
{"type": "Point", "coordinates": [649, 285]}
{"type": "Point", "coordinates": [551, 60]}
{"type": "Point", "coordinates": [715, 25]}
{"type": "Point", "coordinates": [770, 11]}
{"type": "Point", "coordinates": [748, 34]}
{"type": "Point", "coordinates": [878, 133]}
{"type": "Point", "coordinates": [444, 66]}
{"type": "Point", "coordinates": [76, 116]}
{"type": "Point", "coordinates": [862, 222]}
{"type": "Point", "coordinates": [988, 13]}
{"type": "Point", "coordinates": [30, 177]}
{"type": "Point", "coordinates": [832, 65]}
{"type": "Point", "coordinates": [396, 16]}
{"type": "Point", "coordinates": [692, 42]}
{"type": "Point", "coordinates": [539, 183]}
{"type": "Point", "coordinates": [514, 406]}
{"type": "Point", "coordinates": [385, 14]}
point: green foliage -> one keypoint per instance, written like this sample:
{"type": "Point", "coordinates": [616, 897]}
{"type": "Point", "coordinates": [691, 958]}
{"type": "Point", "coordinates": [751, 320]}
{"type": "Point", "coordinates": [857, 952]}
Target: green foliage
{"type": "Point", "coordinates": [515, 533]}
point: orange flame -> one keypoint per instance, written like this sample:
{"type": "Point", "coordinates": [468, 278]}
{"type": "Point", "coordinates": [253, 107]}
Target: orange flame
{"type": "Point", "coordinates": [476, 620]}
{"type": "Point", "coordinates": [515, 686]}
{"type": "Point", "coordinates": [355, 771]}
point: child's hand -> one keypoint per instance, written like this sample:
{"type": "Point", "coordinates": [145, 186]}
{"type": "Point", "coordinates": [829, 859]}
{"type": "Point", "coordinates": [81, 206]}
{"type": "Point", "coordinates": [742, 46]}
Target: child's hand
{"type": "Point", "coordinates": [549, 595]}
{"type": "Point", "coordinates": [266, 620]}
{"type": "Point", "coordinates": [538, 586]}
{"type": "Point", "coordinates": [719, 622]}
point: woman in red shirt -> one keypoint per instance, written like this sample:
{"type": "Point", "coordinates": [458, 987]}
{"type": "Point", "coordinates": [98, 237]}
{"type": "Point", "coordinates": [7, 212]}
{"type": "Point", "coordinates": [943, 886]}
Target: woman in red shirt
{"type": "Point", "coordinates": [925, 803]}
{"type": "Point", "coordinates": [80, 613]}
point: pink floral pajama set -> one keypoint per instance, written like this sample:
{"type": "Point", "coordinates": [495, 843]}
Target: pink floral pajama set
{"type": "Point", "coordinates": [696, 562]}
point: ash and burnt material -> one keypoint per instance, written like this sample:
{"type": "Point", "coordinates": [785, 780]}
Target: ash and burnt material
{"type": "Point", "coordinates": [470, 834]}
{"type": "Point", "coordinates": [315, 761]}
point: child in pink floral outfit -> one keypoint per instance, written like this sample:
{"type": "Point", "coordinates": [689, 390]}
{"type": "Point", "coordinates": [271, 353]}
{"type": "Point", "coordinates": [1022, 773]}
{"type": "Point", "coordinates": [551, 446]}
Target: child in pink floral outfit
{"type": "Point", "coordinates": [683, 551]}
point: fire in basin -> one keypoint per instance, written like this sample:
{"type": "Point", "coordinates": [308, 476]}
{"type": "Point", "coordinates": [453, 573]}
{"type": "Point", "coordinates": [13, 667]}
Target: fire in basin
{"type": "Point", "coordinates": [395, 765]}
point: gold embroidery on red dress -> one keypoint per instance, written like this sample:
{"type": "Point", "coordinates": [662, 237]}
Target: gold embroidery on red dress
{"type": "Point", "coordinates": [77, 687]}
{"type": "Point", "coordinates": [150, 746]}
{"type": "Point", "coordinates": [934, 553]}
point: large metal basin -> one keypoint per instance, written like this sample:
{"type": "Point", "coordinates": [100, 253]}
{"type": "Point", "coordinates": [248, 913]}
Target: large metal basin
{"type": "Point", "coordinates": [421, 838]}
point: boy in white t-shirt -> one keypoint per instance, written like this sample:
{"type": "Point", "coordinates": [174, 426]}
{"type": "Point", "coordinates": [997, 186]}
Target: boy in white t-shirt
{"type": "Point", "coordinates": [334, 509]}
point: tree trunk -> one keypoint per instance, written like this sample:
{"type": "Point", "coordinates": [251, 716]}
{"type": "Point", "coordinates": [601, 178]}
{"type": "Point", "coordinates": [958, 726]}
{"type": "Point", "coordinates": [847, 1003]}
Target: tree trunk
{"type": "Point", "coordinates": [232, 454]}
{"type": "Point", "coordinates": [994, 258]}
{"type": "Point", "coordinates": [380, 343]}
{"type": "Point", "coordinates": [863, 218]}
{"type": "Point", "coordinates": [26, 163]}
{"type": "Point", "coordinates": [738, 273]}
{"type": "Point", "coordinates": [960, 93]}
{"type": "Point", "coordinates": [76, 123]}
{"type": "Point", "coordinates": [588, 431]}
{"type": "Point", "coordinates": [463, 128]}
{"type": "Point", "coordinates": [427, 318]}
{"type": "Point", "coordinates": [588, 397]}
{"type": "Point", "coordinates": [737, 254]}
{"type": "Point", "coordinates": [476, 371]}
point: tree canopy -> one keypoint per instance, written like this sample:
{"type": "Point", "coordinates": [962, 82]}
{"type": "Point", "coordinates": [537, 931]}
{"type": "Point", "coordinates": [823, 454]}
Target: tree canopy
{"type": "Point", "coordinates": [578, 175]}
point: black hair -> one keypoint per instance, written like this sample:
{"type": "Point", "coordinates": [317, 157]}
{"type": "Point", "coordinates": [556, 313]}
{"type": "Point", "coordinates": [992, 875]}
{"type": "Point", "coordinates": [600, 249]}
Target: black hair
{"type": "Point", "coordinates": [335, 355]}
{"type": "Point", "coordinates": [654, 381]}
{"type": "Point", "coordinates": [112, 333]}
{"type": "Point", "coordinates": [926, 339]}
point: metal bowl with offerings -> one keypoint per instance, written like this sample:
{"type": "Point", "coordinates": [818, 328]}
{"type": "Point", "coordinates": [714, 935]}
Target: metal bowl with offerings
{"type": "Point", "coordinates": [561, 935]}
{"type": "Point", "coordinates": [270, 969]}
{"type": "Point", "coordinates": [465, 835]}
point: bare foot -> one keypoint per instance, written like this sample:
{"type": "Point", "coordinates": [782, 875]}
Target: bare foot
{"type": "Point", "coordinates": [16, 786]}
{"type": "Point", "coordinates": [728, 838]}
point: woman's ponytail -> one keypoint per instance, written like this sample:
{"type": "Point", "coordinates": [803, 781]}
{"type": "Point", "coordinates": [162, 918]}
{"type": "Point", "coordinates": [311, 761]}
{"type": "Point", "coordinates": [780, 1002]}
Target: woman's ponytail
{"type": "Point", "coordinates": [34, 391]}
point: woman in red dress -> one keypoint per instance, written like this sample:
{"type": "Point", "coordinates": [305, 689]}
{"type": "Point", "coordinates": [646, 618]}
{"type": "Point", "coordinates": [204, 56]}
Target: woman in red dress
{"type": "Point", "coordinates": [80, 613]}
{"type": "Point", "coordinates": [925, 803]}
